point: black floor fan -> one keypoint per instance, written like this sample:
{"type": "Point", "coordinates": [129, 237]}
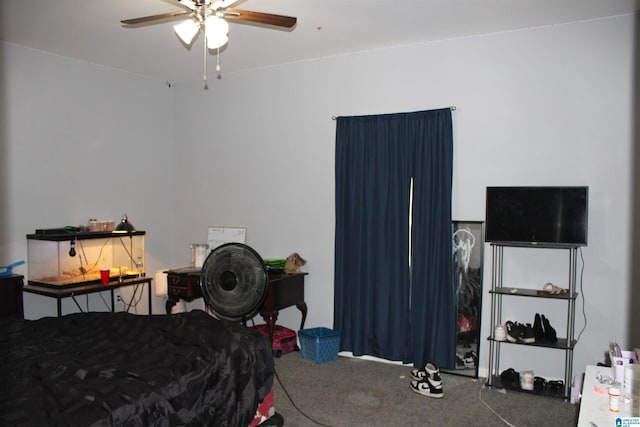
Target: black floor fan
{"type": "Point", "coordinates": [234, 283]}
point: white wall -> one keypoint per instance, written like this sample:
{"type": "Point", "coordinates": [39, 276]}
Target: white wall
{"type": "Point", "coordinates": [542, 106]}
{"type": "Point", "coordinates": [82, 141]}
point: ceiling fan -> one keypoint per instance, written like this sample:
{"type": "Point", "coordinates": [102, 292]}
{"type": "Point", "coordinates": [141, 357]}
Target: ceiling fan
{"type": "Point", "coordinates": [211, 17]}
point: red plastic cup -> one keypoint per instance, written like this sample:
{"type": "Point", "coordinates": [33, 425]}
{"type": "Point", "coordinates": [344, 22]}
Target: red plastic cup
{"type": "Point", "coordinates": [104, 275]}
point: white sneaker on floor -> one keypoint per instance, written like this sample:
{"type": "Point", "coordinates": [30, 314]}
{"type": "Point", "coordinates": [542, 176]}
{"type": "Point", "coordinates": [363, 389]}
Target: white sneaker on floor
{"type": "Point", "coordinates": [427, 388]}
{"type": "Point", "coordinates": [430, 371]}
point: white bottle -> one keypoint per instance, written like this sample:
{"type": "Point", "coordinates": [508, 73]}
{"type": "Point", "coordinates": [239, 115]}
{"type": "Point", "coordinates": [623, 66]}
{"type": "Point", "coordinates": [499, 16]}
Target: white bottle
{"type": "Point", "coordinates": [614, 398]}
{"type": "Point", "coordinates": [139, 267]}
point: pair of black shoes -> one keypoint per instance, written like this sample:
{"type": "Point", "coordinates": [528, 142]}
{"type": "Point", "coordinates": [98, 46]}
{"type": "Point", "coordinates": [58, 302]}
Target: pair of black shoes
{"type": "Point", "coordinates": [519, 332]}
{"type": "Point", "coordinates": [543, 330]}
{"type": "Point", "coordinates": [553, 387]}
{"type": "Point", "coordinates": [511, 379]}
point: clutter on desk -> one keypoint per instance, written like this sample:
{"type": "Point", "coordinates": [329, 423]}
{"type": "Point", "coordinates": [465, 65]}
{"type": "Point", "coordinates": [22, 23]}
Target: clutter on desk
{"type": "Point", "coordinates": [623, 386]}
{"type": "Point", "coordinates": [293, 263]}
{"type": "Point", "coordinates": [616, 351]}
{"type": "Point", "coordinates": [199, 253]}
{"type": "Point", "coordinates": [275, 265]}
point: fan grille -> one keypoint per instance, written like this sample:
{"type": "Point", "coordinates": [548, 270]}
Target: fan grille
{"type": "Point", "coordinates": [234, 281]}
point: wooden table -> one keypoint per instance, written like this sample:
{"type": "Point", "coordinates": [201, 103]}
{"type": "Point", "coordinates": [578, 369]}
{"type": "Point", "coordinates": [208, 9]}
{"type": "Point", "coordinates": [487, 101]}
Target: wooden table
{"type": "Point", "coordinates": [73, 291]}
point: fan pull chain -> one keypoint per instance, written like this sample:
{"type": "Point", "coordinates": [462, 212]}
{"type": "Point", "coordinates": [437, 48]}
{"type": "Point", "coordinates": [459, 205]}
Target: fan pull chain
{"type": "Point", "coordinates": [204, 71]}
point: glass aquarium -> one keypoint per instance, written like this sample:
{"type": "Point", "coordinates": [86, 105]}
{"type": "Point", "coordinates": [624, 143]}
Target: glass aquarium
{"type": "Point", "coordinates": [62, 258]}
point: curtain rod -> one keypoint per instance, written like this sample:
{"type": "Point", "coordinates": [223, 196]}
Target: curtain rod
{"type": "Point", "coordinates": [452, 108]}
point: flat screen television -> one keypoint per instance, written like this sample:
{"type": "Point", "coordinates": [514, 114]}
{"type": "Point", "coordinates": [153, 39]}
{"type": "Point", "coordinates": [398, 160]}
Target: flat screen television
{"type": "Point", "coordinates": [537, 215]}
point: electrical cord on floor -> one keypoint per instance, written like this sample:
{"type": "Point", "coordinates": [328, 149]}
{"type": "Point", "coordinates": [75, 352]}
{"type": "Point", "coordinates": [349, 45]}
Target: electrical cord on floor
{"type": "Point", "coordinates": [486, 404]}
{"type": "Point", "coordinates": [296, 406]}
{"type": "Point", "coordinates": [491, 409]}
{"type": "Point", "coordinates": [584, 313]}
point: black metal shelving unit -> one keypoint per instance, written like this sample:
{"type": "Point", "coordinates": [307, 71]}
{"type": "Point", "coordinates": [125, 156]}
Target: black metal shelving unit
{"type": "Point", "coordinates": [499, 292]}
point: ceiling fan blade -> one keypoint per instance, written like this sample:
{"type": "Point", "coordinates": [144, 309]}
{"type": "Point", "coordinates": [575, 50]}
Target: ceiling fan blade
{"type": "Point", "coordinates": [158, 17]}
{"type": "Point", "coordinates": [259, 17]}
{"type": "Point", "coordinates": [188, 3]}
{"type": "Point", "coordinates": [223, 4]}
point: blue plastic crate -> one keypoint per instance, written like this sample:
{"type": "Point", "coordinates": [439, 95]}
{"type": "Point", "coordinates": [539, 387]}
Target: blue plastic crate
{"type": "Point", "coordinates": [319, 344]}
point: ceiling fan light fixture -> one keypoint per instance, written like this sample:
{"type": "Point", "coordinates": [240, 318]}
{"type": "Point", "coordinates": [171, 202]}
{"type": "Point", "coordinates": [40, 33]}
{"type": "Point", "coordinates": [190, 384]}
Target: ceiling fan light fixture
{"type": "Point", "coordinates": [216, 31]}
{"type": "Point", "coordinates": [208, 15]}
{"type": "Point", "coordinates": [187, 30]}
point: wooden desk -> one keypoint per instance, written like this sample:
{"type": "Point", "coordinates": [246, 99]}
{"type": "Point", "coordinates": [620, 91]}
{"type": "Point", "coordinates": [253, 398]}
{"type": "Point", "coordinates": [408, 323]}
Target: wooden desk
{"type": "Point", "coordinates": [284, 290]}
{"type": "Point", "coordinates": [72, 291]}
{"type": "Point", "coordinates": [182, 284]}
{"type": "Point", "coordinates": [11, 296]}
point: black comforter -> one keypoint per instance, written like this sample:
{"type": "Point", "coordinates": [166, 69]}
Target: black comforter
{"type": "Point", "coordinates": [102, 369]}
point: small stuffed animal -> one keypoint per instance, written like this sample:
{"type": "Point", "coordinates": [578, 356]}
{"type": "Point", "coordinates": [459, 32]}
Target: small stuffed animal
{"type": "Point", "coordinates": [293, 263]}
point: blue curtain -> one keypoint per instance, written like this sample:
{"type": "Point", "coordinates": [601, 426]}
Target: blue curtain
{"type": "Point", "coordinates": [384, 306]}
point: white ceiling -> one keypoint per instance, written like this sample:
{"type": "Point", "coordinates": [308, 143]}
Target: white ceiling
{"type": "Point", "coordinates": [90, 30]}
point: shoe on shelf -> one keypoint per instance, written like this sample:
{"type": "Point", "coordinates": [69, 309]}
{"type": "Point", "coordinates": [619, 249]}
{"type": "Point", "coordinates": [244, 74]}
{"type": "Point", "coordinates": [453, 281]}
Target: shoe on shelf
{"type": "Point", "coordinates": [500, 334]}
{"type": "Point", "coordinates": [539, 384]}
{"type": "Point", "coordinates": [556, 387]}
{"type": "Point", "coordinates": [513, 331]}
{"type": "Point", "coordinates": [526, 380]}
{"type": "Point", "coordinates": [538, 331]}
{"type": "Point", "coordinates": [430, 371]}
{"type": "Point", "coordinates": [551, 289]}
{"type": "Point", "coordinates": [427, 388]}
{"type": "Point", "coordinates": [549, 332]}
{"type": "Point", "coordinates": [510, 378]}
{"type": "Point", "coordinates": [527, 335]}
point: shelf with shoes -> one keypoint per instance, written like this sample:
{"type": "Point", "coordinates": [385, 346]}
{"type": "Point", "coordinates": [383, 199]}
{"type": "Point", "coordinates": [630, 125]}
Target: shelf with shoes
{"type": "Point", "coordinates": [541, 334]}
{"type": "Point", "coordinates": [532, 293]}
{"type": "Point", "coordinates": [525, 334]}
{"type": "Point", "coordinates": [541, 386]}
{"type": "Point", "coordinates": [561, 344]}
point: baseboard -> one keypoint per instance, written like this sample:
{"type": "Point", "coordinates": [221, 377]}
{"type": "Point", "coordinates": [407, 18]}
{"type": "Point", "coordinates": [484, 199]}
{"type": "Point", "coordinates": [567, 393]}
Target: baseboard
{"type": "Point", "coordinates": [482, 372]}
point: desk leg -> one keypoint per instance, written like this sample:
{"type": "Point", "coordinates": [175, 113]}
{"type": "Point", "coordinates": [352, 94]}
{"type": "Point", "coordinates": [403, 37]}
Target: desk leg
{"type": "Point", "coordinates": [169, 305]}
{"type": "Point", "coordinates": [303, 309]}
{"type": "Point", "coordinates": [59, 300]}
{"type": "Point", "coordinates": [270, 319]}
{"type": "Point", "coordinates": [149, 294]}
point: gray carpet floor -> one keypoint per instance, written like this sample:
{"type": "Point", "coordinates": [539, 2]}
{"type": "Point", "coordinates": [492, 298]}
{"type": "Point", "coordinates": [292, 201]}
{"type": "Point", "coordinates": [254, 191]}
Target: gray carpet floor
{"type": "Point", "coordinates": [355, 392]}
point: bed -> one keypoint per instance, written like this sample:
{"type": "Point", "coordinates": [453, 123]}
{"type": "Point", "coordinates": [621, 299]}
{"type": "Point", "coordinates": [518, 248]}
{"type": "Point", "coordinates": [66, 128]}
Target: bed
{"type": "Point", "coordinates": [120, 369]}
